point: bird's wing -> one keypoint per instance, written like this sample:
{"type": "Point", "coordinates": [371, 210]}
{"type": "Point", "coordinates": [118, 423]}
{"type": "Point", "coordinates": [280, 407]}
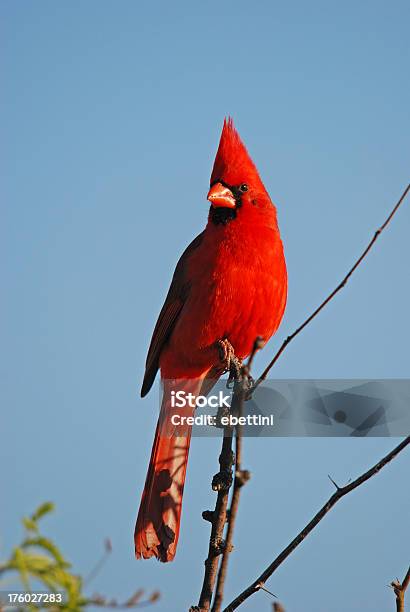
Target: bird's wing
{"type": "Point", "coordinates": [176, 297]}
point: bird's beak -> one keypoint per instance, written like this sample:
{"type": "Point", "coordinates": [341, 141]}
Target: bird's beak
{"type": "Point", "coordinates": [221, 196]}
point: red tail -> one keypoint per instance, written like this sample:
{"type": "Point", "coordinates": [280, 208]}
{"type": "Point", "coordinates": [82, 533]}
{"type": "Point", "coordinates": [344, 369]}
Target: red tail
{"type": "Point", "coordinates": [157, 528]}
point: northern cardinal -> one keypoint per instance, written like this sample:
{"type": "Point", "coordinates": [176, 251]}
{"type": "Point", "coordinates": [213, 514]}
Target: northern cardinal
{"type": "Point", "coordinates": [228, 288]}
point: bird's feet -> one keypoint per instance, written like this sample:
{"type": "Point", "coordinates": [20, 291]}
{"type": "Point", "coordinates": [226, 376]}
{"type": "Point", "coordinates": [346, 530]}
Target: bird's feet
{"type": "Point", "coordinates": [230, 362]}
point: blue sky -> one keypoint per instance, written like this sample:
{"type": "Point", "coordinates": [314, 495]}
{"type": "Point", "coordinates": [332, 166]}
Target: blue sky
{"type": "Point", "coordinates": [110, 116]}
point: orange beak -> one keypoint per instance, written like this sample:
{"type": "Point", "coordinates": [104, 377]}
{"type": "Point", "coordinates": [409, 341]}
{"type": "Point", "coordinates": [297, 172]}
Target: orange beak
{"type": "Point", "coordinates": [221, 196]}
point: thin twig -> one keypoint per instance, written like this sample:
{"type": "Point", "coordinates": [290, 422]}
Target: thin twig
{"type": "Point", "coordinates": [232, 516]}
{"type": "Point", "coordinates": [341, 492]}
{"type": "Point", "coordinates": [257, 346]}
{"type": "Point", "coordinates": [100, 563]}
{"type": "Point", "coordinates": [222, 483]}
{"type": "Point", "coordinates": [399, 589]}
{"type": "Point", "coordinates": [131, 604]}
{"type": "Point", "coordinates": [266, 590]}
{"type": "Point", "coordinates": [333, 293]}
{"type": "Point", "coordinates": [241, 476]}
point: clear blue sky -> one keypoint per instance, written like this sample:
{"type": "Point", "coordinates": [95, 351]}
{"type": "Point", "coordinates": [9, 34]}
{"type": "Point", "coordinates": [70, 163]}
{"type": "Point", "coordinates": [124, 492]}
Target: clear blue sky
{"type": "Point", "coordinates": [110, 117]}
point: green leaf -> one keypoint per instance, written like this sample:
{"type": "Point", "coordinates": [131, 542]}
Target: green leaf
{"type": "Point", "coordinates": [43, 509]}
{"type": "Point", "coordinates": [38, 559]}
{"type": "Point", "coordinates": [49, 546]}
{"type": "Point", "coordinates": [29, 524]}
{"type": "Point", "coordinates": [33, 564]}
{"type": "Point", "coordinates": [21, 567]}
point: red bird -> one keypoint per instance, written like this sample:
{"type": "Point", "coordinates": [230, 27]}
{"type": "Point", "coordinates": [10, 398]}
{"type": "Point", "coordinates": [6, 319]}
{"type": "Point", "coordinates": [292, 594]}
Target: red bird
{"type": "Point", "coordinates": [229, 286]}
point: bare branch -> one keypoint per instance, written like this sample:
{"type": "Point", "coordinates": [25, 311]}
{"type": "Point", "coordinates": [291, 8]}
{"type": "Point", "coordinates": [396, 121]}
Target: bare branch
{"type": "Point", "coordinates": [241, 476]}
{"type": "Point", "coordinates": [132, 603]}
{"type": "Point", "coordinates": [340, 492]}
{"type": "Point", "coordinates": [399, 589]}
{"type": "Point", "coordinates": [257, 346]}
{"type": "Point", "coordinates": [333, 293]}
{"type": "Point", "coordinates": [218, 518]}
{"type": "Point", "coordinates": [100, 563]}
{"type": "Point", "coordinates": [221, 483]}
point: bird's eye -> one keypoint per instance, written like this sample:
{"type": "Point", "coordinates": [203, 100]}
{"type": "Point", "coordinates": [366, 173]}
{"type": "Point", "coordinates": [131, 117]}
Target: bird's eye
{"type": "Point", "coordinates": [244, 187]}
